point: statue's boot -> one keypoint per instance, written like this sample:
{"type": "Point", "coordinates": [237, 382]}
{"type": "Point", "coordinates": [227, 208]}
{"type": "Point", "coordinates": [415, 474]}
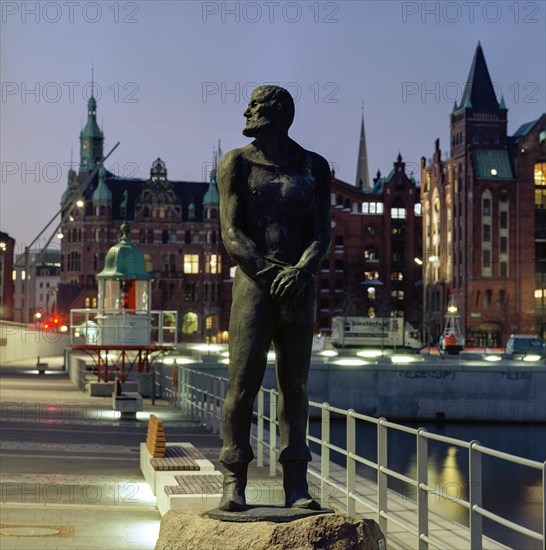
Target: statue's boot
{"type": "Point", "coordinates": [233, 494]}
{"type": "Point", "coordinates": [296, 489]}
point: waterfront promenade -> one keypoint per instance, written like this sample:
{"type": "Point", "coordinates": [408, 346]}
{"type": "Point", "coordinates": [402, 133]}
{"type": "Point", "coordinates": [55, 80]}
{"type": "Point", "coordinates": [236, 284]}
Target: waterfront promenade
{"type": "Point", "coordinates": [70, 476]}
{"type": "Point", "coordinates": [71, 479]}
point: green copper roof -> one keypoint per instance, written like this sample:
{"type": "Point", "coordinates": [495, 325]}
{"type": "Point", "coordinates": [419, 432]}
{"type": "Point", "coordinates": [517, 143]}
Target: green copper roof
{"type": "Point", "coordinates": [492, 164]}
{"type": "Point", "coordinates": [91, 129]}
{"type": "Point", "coordinates": [102, 193]}
{"type": "Point", "coordinates": [124, 260]}
{"type": "Point", "coordinates": [212, 197]}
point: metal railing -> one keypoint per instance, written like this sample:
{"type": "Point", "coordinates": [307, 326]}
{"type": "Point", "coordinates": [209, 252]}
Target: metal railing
{"type": "Point", "coordinates": [202, 395]}
{"type": "Point", "coordinates": [89, 326]}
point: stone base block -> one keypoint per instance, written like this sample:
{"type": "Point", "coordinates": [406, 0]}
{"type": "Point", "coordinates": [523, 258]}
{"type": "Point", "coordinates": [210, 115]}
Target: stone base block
{"type": "Point", "coordinates": [201, 491]}
{"type": "Point", "coordinates": [157, 480]}
{"type": "Point", "coordinates": [195, 530]}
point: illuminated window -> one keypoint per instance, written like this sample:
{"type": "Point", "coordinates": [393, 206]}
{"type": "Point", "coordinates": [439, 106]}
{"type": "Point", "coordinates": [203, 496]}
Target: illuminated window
{"type": "Point", "coordinates": [211, 323]}
{"type": "Point", "coordinates": [372, 208]}
{"type": "Point", "coordinates": [418, 209]}
{"type": "Point", "coordinates": [540, 184]}
{"type": "Point", "coordinates": [148, 261]}
{"type": "Point", "coordinates": [191, 263]}
{"type": "Point", "coordinates": [371, 293]}
{"type": "Point", "coordinates": [398, 213]}
{"type": "Point", "coordinates": [190, 323]}
{"type": "Point", "coordinates": [213, 263]}
{"type": "Point", "coordinates": [371, 275]}
{"type": "Point", "coordinates": [370, 253]}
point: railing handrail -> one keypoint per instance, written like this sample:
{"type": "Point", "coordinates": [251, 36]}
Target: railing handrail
{"type": "Point", "coordinates": [210, 411]}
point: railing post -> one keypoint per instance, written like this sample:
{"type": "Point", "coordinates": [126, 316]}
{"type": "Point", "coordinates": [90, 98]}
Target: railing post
{"type": "Point", "coordinates": [260, 424]}
{"type": "Point", "coordinates": [160, 329]}
{"type": "Point", "coordinates": [272, 433]}
{"type": "Point", "coordinates": [325, 455]}
{"type": "Point", "coordinates": [422, 494]}
{"type": "Point", "coordinates": [181, 387]}
{"type": "Point", "coordinates": [210, 410]}
{"type": "Point", "coordinates": [351, 463]}
{"type": "Point", "coordinates": [221, 401]}
{"type": "Point", "coordinates": [475, 495]}
{"type": "Point", "coordinates": [544, 506]}
{"type": "Point", "coordinates": [214, 406]}
{"type": "Point", "coordinates": [381, 476]}
{"type": "Point", "coordinates": [203, 393]}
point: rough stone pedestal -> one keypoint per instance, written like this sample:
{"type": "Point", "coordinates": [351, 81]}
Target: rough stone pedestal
{"type": "Point", "coordinates": [194, 530]}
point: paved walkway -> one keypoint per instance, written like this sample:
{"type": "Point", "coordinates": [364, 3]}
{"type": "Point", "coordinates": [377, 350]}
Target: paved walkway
{"type": "Point", "coordinates": [70, 476]}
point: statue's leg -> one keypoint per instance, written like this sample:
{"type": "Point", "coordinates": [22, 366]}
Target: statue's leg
{"type": "Point", "coordinates": [249, 340]}
{"type": "Point", "coordinates": [293, 341]}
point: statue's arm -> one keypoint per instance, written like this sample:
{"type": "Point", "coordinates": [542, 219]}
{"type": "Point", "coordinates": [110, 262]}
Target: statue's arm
{"type": "Point", "coordinates": [239, 245]}
{"type": "Point", "coordinates": [318, 249]}
{"type": "Point", "coordinates": [291, 281]}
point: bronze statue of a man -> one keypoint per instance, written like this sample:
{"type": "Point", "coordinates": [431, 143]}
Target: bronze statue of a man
{"type": "Point", "coordinates": [275, 219]}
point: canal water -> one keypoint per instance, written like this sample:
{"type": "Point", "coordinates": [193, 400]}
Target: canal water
{"type": "Point", "coordinates": [509, 490]}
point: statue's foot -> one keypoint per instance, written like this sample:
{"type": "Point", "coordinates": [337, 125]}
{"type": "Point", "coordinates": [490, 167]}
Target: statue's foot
{"type": "Point", "coordinates": [233, 495]}
{"type": "Point", "coordinates": [305, 503]}
{"type": "Point", "coordinates": [229, 504]}
{"type": "Point", "coordinates": [296, 488]}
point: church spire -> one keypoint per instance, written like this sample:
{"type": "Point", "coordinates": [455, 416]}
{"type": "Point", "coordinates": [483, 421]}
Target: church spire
{"type": "Point", "coordinates": [479, 92]}
{"type": "Point", "coordinates": [362, 173]}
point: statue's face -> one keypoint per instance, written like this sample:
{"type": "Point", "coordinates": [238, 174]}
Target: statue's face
{"type": "Point", "coordinates": [260, 113]}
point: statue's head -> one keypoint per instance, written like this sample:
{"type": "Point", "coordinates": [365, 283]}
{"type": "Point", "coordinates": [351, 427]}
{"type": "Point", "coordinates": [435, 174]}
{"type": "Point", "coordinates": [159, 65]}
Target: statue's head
{"type": "Point", "coordinates": [270, 107]}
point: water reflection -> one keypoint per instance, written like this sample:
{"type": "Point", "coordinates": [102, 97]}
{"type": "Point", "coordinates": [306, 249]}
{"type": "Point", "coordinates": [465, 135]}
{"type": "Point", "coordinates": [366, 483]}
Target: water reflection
{"type": "Point", "coordinates": [509, 490]}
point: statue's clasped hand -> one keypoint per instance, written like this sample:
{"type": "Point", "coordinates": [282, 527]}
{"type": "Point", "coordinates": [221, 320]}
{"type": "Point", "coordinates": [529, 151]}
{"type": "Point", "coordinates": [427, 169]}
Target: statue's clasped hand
{"type": "Point", "coordinates": [288, 285]}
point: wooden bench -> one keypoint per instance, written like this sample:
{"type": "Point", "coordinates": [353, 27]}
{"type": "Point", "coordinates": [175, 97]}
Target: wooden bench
{"type": "Point", "coordinates": [161, 461]}
{"type": "Point", "coordinates": [191, 492]}
{"type": "Point", "coordinates": [155, 437]}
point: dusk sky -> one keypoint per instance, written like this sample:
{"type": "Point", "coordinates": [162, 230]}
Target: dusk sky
{"type": "Point", "coordinates": [174, 77]}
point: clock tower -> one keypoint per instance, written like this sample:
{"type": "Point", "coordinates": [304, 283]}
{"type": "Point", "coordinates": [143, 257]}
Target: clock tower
{"type": "Point", "coordinates": [91, 139]}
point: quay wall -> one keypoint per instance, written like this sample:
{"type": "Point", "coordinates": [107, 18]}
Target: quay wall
{"type": "Point", "coordinates": [461, 391]}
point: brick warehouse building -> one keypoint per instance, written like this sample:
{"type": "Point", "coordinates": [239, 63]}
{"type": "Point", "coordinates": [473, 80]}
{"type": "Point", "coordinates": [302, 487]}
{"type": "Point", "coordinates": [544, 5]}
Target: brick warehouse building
{"type": "Point", "coordinates": [484, 220]}
{"type": "Point", "coordinates": [371, 269]}
{"type": "Point", "coordinates": [175, 223]}
{"type": "Point", "coordinates": [376, 239]}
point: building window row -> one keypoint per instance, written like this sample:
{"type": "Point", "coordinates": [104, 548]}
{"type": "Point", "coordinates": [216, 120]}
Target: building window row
{"type": "Point", "coordinates": [372, 208]}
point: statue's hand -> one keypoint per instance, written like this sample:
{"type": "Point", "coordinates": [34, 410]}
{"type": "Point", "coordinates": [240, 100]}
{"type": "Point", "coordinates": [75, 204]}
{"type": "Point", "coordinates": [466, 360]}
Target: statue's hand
{"type": "Point", "coordinates": [289, 284]}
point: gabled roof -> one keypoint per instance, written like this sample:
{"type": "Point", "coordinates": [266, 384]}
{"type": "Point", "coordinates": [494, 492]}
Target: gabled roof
{"type": "Point", "coordinates": [524, 129]}
{"type": "Point", "coordinates": [479, 92]}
